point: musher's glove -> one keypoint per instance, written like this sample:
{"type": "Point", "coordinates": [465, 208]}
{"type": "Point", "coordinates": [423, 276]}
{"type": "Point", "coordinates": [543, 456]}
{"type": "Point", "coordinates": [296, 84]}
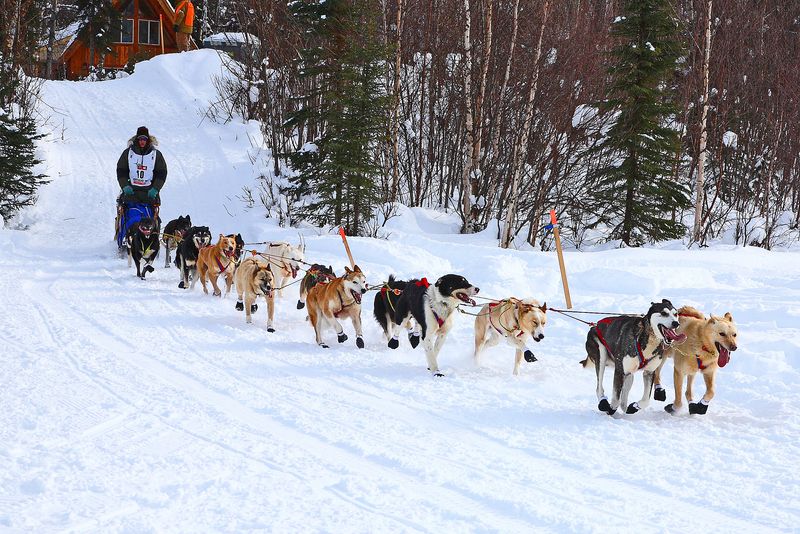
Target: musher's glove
{"type": "Point", "coordinates": [127, 190]}
{"type": "Point", "coordinates": [152, 193]}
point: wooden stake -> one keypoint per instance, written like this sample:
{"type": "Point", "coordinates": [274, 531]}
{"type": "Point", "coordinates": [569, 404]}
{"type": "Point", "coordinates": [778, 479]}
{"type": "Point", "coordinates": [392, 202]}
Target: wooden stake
{"type": "Point", "coordinates": [564, 282]}
{"type": "Point", "coordinates": [347, 248]}
{"type": "Point", "coordinates": [161, 30]}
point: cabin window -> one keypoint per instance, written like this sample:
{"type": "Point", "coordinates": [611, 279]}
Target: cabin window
{"type": "Point", "coordinates": [126, 32]}
{"type": "Point", "coordinates": [148, 32]}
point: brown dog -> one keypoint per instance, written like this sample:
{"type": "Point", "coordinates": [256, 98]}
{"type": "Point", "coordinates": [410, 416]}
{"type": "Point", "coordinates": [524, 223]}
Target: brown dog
{"type": "Point", "coordinates": [215, 260]}
{"type": "Point", "coordinates": [514, 320]}
{"type": "Point", "coordinates": [708, 346]}
{"type": "Point", "coordinates": [254, 278]}
{"type": "Point", "coordinates": [341, 297]}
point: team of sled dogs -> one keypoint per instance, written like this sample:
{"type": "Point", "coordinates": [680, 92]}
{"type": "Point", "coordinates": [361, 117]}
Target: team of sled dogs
{"type": "Point", "coordinates": [627, 344]}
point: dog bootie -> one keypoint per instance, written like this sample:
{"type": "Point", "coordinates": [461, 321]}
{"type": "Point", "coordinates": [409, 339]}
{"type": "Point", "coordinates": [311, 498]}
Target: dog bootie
{"type": "Point", "coordinates": [239, 305]}
{"type": "Point", "coordinates": [529, 357]}
{"type": "Point", "coordinates": [660, 394]}
{"type": "Point", "coordinates": [324, 346]}
{"type": "Point", "coordinates": [359, 342]}
{"type": "Point", "coordinates": [341, 337]}
{"type": "Point", "coordinates": [182, 286]}
{"type": "Point", "coordinates": [300, 304]}
{"type": "Point", "coordinates": [270, 329]}
{"type": "Point", "coordinates": [413, 338]}
{"type": "Point", "coordinates": [669, 408]}
{"type": "Point", "coordinates": [149, 269]}
{"type": "Point", "coordinates": [698, 408]}
{"type": "Point", "coordinates": [253, 308]}
{"type": "Point", "coordinates": [633, 408]}
{"type": "Point", "coordinates": [604, 406]}
{"type": "Point", "coordinates": [394, 343]}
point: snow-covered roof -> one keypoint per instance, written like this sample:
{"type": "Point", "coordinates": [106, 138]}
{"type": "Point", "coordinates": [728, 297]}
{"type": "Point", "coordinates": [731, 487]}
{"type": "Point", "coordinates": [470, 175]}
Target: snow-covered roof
{"type": "Point", "coordinates": [231, 39]}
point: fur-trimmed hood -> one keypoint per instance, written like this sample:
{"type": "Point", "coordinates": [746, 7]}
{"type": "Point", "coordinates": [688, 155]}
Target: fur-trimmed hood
{"type": "Point", "coordinates": [153, 141]}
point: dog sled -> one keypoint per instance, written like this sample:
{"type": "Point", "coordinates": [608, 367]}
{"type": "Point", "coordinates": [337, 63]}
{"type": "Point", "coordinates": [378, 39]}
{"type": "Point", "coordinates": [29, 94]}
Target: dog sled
{"type": "Point", "coordinates": [130, 212]}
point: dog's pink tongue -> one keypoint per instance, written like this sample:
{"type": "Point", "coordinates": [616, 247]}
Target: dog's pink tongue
{"type": "Point", "coordinates": [724, 356]}
{"type": "Point", "coordinates": [680, 338]}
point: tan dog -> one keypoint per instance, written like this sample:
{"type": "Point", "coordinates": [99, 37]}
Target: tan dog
{"type": "Point", "coordinates": [285, 260]}
{"type": "Point", "coordinates": [254, 278]}
{"type": "Point", "coordinates": [514, 320]}
{"type": "Point", "coordinates": [340, 298]}
{"type": "Point", "coordinates": [708, 346]}
{"type": "Point", "coordinates": [215, 260]}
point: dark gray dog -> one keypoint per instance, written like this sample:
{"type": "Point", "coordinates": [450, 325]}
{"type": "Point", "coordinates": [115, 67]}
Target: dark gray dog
{"type": "Point", "coordinates": [630, 344]}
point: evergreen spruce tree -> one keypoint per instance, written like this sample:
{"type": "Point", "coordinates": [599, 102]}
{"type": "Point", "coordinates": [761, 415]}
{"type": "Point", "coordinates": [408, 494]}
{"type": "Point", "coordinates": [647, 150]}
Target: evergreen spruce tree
{"type": "Point", "coordinates": [636, 191]}
{"type": "Point", "coordinates": [18, 182]}
{"type": "Point", "coordinates": [99, 26]}
{"type": "Point", "coordinates": [344, 63]}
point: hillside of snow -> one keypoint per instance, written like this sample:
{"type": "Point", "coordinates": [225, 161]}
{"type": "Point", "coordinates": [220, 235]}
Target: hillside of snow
{"type": "Point", "coordinates": [134, 406]}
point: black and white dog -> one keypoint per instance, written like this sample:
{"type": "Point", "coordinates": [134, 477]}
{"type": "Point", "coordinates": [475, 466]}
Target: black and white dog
{"type": "Point", "coordinates": [630, 344]}
{"type": "Point", "coordinates": [173, 234]}
{"type": "Point", "coordinates": [425, 309]}
{"type": "Point", "coordinates": [186, 255]}
{"type": "Point", "coordinates": [142, 243]}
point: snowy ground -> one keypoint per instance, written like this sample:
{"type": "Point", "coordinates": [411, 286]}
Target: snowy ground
{"type": "Point", "coordinates": [135, 406]}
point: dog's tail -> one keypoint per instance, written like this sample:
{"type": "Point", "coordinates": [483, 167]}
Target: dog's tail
{"type": "Point", "coordinates": [688, 311]}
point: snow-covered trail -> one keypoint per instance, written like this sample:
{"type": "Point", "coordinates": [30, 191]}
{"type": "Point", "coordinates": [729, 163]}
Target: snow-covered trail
{"type": "Point", "coordinates": [135, 406]}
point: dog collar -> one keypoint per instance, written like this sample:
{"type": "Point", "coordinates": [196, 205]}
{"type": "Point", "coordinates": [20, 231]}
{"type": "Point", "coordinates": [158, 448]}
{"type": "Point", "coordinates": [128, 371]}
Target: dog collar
{"type": "Point", "coordinates": [438, 319]}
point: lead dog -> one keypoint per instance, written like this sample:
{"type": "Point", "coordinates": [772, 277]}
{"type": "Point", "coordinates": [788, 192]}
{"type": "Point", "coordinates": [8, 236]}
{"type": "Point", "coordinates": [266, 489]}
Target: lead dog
{"type": "Point", "coordinates": [173, 234]}
{"type": "Point", "coordinates": [513, 320]}
{"type": "Point", "coordinates": [431, 307]}
{"type": "Point", "coordinates": [254, 279]}
{"type": "Point", "coordinates": [186, 255]}
{"type": "Point", "coordinates": [631, 344]}
{"type": "Point", "coordinates": [339, 298]}
{"type": "Point", "coordinates": [708, 346]}
{"type": "Point", "coordinates": [285, 260]}
{"type": "Point", "coordinates": [216, 260]}
{"type": "Point", "coordinates": [142, 243]}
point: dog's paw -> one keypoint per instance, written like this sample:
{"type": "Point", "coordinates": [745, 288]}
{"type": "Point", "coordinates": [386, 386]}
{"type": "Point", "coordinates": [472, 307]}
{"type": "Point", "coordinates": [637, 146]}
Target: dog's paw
{"type": "Point", "coordinates": [324, 346]}
{"type": "Point", "coordinates": [660, 394]}
{"type": "Point", "coordinates": [239, 305]}
{"type": "Point", "coordinates": [253, 308]}
{"type": "Point", "coordinates": [603, 405]}
{"type": "Point", "coordinates": [698, 408]}
{"type": "Point", "coordinates": [181, 285]}
{"type": "Point", "coordinates": [149, 269]}
{"type": "Point", "coordinates": [438, 374]}
{"type": "Point", "coordinates": [216, 293]}
{"type": "Point", "coordinates": [270, 329]}
{"type": "Point", "coordinates": [359, 342]}
{"type": "Point", "coordinates": [529, 357]}
{"type": "Point", "coordinates": [300, 304]}
{"type": "Point", "coordinates": [670, 409]}
{"type": "Point", "coordinates": [413, 338]}
{"type": "Point", "coordinates": [394, 343]}
{"type": "Point", "coordinates": [632, 408]}
{"type": "Point", "coordinates": [341, 338]}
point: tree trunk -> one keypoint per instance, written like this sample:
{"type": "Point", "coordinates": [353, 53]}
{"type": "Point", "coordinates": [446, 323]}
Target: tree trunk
{"type": "Point", "coordinates": [701, 157]}
{"type": "Point", "coordinates": [521, 148]}
{"type": "Point", "coordinates": [51, 40]}
{"type": "Point", "coordinates": [395, 133]}
{"type": "Point", "coordinates": [466, 189]}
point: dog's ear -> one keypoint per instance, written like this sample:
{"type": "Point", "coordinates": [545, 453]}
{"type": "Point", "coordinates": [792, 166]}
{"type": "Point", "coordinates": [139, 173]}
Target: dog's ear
{"type": "Point", "coordinates": [269, 267]}
{"type": "Point", "coordinates": [728, 316]}
{"type": "Point", "coordinates": [438, 282]}
{"type": "Point", "coordinates": [347, 269]}
{"type": "Point", "coordinates": [543, 307]}
{"type": "Point", "coordinates": [356, 269]}
{"type": "Point", "coordinates": [712, 320]}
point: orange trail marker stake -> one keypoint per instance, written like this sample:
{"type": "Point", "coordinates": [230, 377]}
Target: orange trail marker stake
{"type": "Point", "coordinates": [554, 223]}
{"type": "Point", "coordinates": [347, 247]}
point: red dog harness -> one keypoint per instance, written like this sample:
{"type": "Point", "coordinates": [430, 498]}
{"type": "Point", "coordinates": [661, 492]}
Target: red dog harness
{"type": "Point", "coordinates": [493, 305]}
{"type": "Point", "coordinates": [424, 283]}
{"type": "Point", "coordinates": [608, 320]}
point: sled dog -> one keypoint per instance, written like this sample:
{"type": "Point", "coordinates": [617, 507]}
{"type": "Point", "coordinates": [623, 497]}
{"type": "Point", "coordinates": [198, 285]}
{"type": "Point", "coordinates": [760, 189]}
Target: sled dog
{"type": "Point", "coordinates": [173, 234]}
{"type": "Point", "coordinates": [384, 310]}
{"type": "Point", "coordinates": [285, 260]}
{"type": "Point", "coordinates": [431, 307]}
{"type": "Point", "coordinates": [254, 279]}
{"type": "Point", "coordinates": [186, 255]}
{"type": "Point", "coordinates": [317, 274]}
{"type": "Point", "coordinates": [339, 298]}
{"type": "Point", "coordinates": [708, 346]}
{"type": "Point", "coordinates": [631, 344]}
{"type": "Point", "coordinates": [215, 260]}
{"type": "Point", "coordinates": [513, 320]}
{"type": "Point", "coordinates": [142, 243]}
